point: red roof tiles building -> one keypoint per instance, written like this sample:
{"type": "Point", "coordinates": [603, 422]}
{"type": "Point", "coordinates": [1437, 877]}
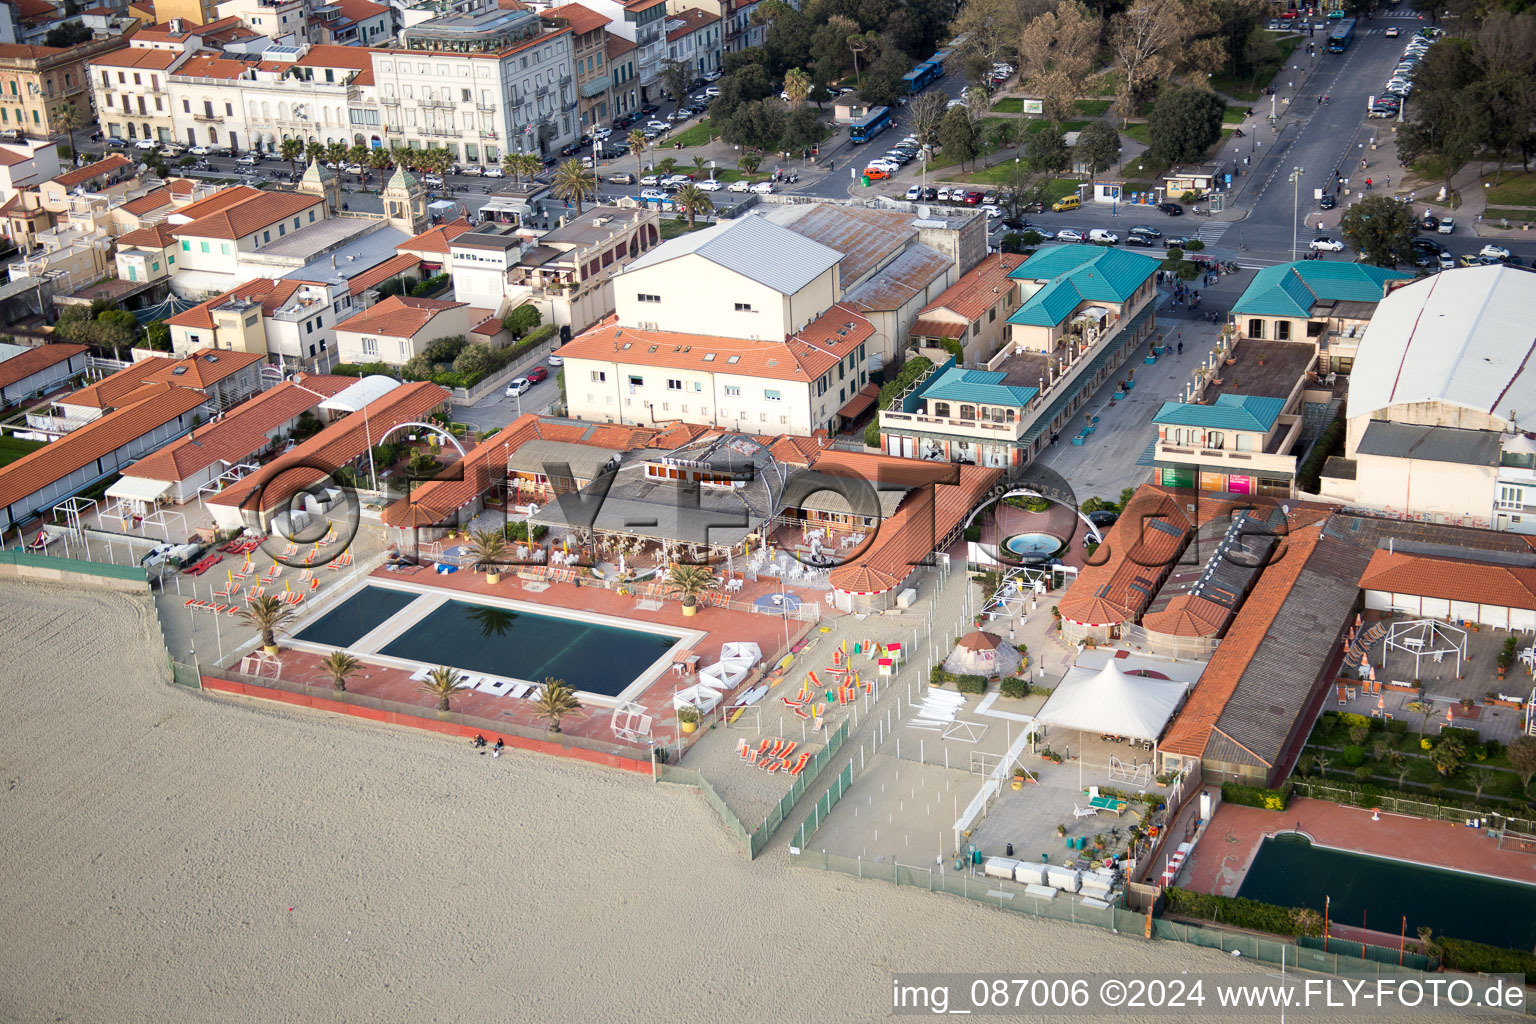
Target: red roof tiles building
{"type": "Point", "coordinates": [398, 317]}
{"type": "Point", "coordinates": [17, 371]}
{"type": "Point", "coordinates": [105, 166]}
{"type": "Point", "coordinates": [249, 216]}
{"type": "Point", "coordinates": [1138, 552]}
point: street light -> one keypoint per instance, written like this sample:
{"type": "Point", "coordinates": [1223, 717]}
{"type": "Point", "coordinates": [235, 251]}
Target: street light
{"type": "Point", "coordinates": [1296, 173]}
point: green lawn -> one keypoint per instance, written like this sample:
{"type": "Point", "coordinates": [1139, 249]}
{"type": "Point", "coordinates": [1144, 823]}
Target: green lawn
{"type": "Point", "coordinates": [1011, 105]}
{"type": "Point", "coordinates": [1092, 108]}
{"type": "Point", "coordinates": [13, 448]}
{"type": "Point", "coordinates": [1233, 115]}
{"type": "Point", "coordinates": [1496, 215]}
{"type": "Point", "coordinates": [1249, 89]}
{"type": "Point", "coordinates": [673, 228]}
{"type": "Point", "coordinates": [1513, 189]}
{"type": "Point", "coordinates": [1145, 170]}
{"type": "Point", "coordinates": [1139, 132]}
{"type": "Point", "coordinates": [698, 134]}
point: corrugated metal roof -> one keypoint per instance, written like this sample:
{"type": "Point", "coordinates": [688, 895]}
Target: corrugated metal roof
{"type": "Point", "coordinates": [1291, 289]}
{"type": "Point", "coordinates": [982, 386]}
{"type": "Point", "coordinates": [1229, 412]}
{"type": "Point", "coordinates": [1075, 274]}
{"type": "Point", "coordinates": [1432, 444]}
{"type": "Point", "coordinates": [1462, 337]}
{"type": "Point", "coordinates": [584, 461]}
{"type": "Point", "coordinates": [774, 256]}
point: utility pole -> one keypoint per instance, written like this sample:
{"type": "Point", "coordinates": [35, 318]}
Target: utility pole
{"type": "Point", "coordinates": [1295, 208]}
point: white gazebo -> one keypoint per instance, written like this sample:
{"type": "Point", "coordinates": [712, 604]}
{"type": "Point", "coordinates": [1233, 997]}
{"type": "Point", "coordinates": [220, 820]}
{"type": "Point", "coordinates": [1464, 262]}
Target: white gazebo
{"type": "Point", "coordinates": [1110, 700]}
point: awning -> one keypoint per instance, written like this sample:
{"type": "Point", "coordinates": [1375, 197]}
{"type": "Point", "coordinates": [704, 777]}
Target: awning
{"type": "Point", "coordinates": [930, 328]}
{"type": "Point", "coordinates": [859, 404]}
{"type": "Point", "coordinates": [354, 396]}
{"type": "Point", "coordinates": [138, 488]}
{"type": "Point", "coordinates": [1111, 701]}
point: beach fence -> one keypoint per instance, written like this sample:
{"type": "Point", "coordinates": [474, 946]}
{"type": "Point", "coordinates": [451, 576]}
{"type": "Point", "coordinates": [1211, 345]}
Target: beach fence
{"type": "Point", "coordinates": [1341, 957]}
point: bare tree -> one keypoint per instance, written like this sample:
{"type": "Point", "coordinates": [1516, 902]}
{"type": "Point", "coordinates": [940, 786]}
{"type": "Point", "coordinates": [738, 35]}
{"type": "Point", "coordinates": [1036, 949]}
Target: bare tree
{"type": "Point", "coordinates": [990, 26]}
{"type": "Point", "coordinates": [925, 113]}
{"type": "Point", "coordinates": [1157, 39]}
{"type": "Point", "coordinates": [1064, 40]}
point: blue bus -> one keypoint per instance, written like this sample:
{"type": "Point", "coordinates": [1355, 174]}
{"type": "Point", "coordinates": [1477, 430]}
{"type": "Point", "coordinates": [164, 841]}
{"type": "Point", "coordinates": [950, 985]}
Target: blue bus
{"type": "Point", "coordinates": [921, 77]}
{"type": "Point", "coordinates": [937, 60]}
{"type": "Point", "coordinates": [871, 124]}
{"type": "Point", "coordinates": [1340, 35]}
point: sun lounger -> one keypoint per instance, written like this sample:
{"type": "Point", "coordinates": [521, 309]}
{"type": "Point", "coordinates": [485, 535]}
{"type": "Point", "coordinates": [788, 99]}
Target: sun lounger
{"type": "Point", "coordinates": [800, 764]}
{"type": "Point", "coordinates": [778, 748]}
{"type": "Point", "coordinates": [763, 747]}
{"type": "Point", "coordinates": [790, 749]}
{"type": "Point", "coordinates": [1081, 813]}
{"type": "Point", "coordinates": [520, 690]}
{"type": "Point", "coordinates": [1341, 693]}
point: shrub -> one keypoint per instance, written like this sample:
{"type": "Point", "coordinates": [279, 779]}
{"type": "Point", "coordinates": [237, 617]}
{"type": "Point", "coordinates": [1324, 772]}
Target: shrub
{"type": "Point", "coordinates": [1195, 245]}
{"type": "Point", "coordinates": [1014, 687]}
{"type": "Point", "coordinates": [1253, 796]}
{"type": "Point", "coordinates": [973, 533]}
{"type": "Point", "coordinates": [1354, 756]}
{"type": "Point", "coordinates": [522, 320]}
{"type": "Point", "coordinates": [872, 434]}
{"type": "Point", "coordinates": [971, 684]}
{"type": "Point", "coordinates": [473, 359]}
{"type": "Point", "coordinates": [519, 531]}
{"type": "Point", "coordinates": [1397, 727]}
{"type": "Point", "coordinates": [1330, 443]}
{"type": "Point", "coordinates": [1462, 955]}
{"type": "Point", "coordinates": [937, 676]}
{"type": "Point", "coordinates": [429, 286]}
{"type": "Point", "coordinates": [364, 370]}
{"type": "Point", "coordinates": [1239, 913]}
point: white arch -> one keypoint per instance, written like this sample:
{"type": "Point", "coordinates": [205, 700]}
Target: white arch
{"type": "Point", "coordinates": [1019, 492]}
{"type": "Point", "coordinates": [425, 426]}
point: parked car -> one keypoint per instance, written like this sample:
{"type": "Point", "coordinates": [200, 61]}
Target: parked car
{"type": "Point", "coordinates": [1141, 241]}
{"type": "Point", "coordinates": [1171, 209]}
{"type": "Point", "coordinates": [1467, 259]}
{"type": "Point", "coordinates": [1429, 222]}
{"type": "Point", "coordinates": [653, 195]}
{"type": "Point", "coordinates": [1103, 236]}
{"type": "Point", "coordinates": [709, 185]}
{"type": "Point", "coordinates": [739, 186]}
{"type": "Point", "coordinates": [494, 172]}
{"type": "Point", "coordinates": [199, 151]}
{"type": "Point", "coordinates": [714, 76]}
{"type": "Point", "coordinates": [991, 210]}
{"type": "Point", "coordinates": [1328, 202]}
{"type": "Point", "coordinates": [1326, 245]}
{"type": "Point", "coordinates": [1447, 261]}
{"type": "Point", "coordinates": [621, 179]}
{"type": "Point", "coordinates": [874, 173]}
{"type": "Point", "coordinates": [249, 160]}
{"type": "Point", "coordinates": [471, 171]}
{"type": "Point", "coordinates": [712, 91]}
{"type": "Point", "coordinates": [1447, 225]}
{"type": "Point", "coordinates": [942, 195]}
{"type": "Point", "coordinates": [676, 181]}
{"type": "Point", "coordinates": [1146, 231]}
{"type": "Point", "coordinates": [1498, 252]}
{"type": "Point", "coordinates": [537, 374]}
{"type": "Point", "coordinates": [763, 188]}
{"type": "Point", "coordinates": [1070, 235]}
{"type": "Point", "coordinates": [556, 360]}
{"type": "Point", "coordinates": [141, 144]}
{"type": "Point", "coordinates": [432, 181]}
{"type": "Point", "coordinates": [657, 126]}
{"type": "Point", "coordinates": [1176, 242]}
{"type": "Point", "coordinates": [1391, 32]}
{"type": "Point", "coordinates": [1066, 203]}
{"type": "Point", "coordinates": [973, 198]}
{"type": "Point", "coordinates": [519, 386]}
{"type": "Point", "coordinates": [914, 193]}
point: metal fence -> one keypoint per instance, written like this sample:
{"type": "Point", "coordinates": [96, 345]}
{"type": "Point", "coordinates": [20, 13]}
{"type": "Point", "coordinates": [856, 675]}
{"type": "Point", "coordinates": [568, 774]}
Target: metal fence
{"type": "Point", "coordinates": [680, 776]}
{"type": "Point", "coordinates": [1404, 805]}
{"type": "Point", "coordinates": [764, 832]}
{"type": "Point", "coordinates": [822, 808]}
{"type": "Point", "coordinates": [1336, 960]}
{"type": "Point", "coordinates": [28, 559]}
{"type": "Point", "coordinates": [1366, 951]}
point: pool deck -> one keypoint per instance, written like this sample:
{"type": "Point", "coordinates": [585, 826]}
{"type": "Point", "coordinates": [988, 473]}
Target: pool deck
{"type": "Point", "coordinates": [1221, 859]}
{"type": "Point", "coordinates": [718, 625]}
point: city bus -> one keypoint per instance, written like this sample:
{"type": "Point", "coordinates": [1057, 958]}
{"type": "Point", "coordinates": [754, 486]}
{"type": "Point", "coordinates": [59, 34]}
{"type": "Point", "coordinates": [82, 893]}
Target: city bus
{"type": "Point", "coordinates": [871, 124]}
{"type": "Point", "coordinates": [1339, 36]}
{"type": "Point", "coordinates": [920, 78]}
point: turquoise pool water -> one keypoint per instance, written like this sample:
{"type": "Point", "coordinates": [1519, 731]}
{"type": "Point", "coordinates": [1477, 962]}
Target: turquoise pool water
{"type": "Point", "coordinates": [1291, 872]}
{"type": "Point", "coordinates": [498, 641]}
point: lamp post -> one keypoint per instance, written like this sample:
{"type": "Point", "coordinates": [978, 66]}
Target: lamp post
{"type": "Point", "coordinates": [1295, 208]}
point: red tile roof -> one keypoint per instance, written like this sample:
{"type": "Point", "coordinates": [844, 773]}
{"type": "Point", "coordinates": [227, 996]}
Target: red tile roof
{"type": "Point", "coordinates": [693, 19]}
{"type": "Point", "coordinates": [155, 236]}
{"type": "Point", "coordinates": [1196, 723]}
{"type": "Point", "coordinates": [224, 197]}
{"type": "Point", "coordinates": [242, 432]}
{"type": "Point", "coordinates": [355, 57]}
{"type": "Point", "coordinates": [148, 202]}
{"type": "Point", "coordinates": [254, 213]}
{"type": "Point", "coordinates": [780, 360]}
{"type": "Point", "coordinates": [81, 448]}
{"type": "Point", "coordinates": [1137, 553]}
{"type": "Point", "coordinates": [1450, 579]}
{"type": "Point", "coordinates": [401, 263]}
{"type": "Point", "coordinates": [210, 66]}
{"type": "Point", "coordinates": [437, 239]}
{"type": "Point", "coordinates": [397, 317]}
{"type": "Point", "coordinates": [335, 446]}
{"type": "Point", "coordinates": [109, 392]}
{"type": "Point", "coordinates": [69, 179]}
{"type": "Point", "coordinates": [618, 46]}
{"type": "Point", "coordinates": [581, 19]}
{"type": "Point", "coordinates": [979, 288]}
{"type": "Point", "coordinates": [34, 360]}
{"type": "Point", "coordinates": [137, 57]}
{"type": "Point", "coordinates": [204, 368]}
{"type": "Point", "coordinates": [36, 9]}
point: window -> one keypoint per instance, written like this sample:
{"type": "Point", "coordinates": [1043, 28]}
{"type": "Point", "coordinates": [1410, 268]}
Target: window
{"type": "Point", "coordinates": [1282, 330]}
{"type": "Point", "coordinates": [370, 346]}
{"type": "Point", "coordinates": [266, 236]}
{"type": "Point", "coordinates": [636, 381]}
{"type": "Point", "coordinates": [744, 307]}
{"type": "Point", "coordinates": [205, 246]}
{"type": "Point", "coordinates": [186, 106]}
{"type": "Point", "coordinates": [732, 391]}
{"type": "Point", "coordinates": [1511, 497]}
{"type": "Point", "coordinates": [223, 248]}
{"type": "Point", "coordinates": [1256, 328]}
{"type": "Point", "coordinates": [772, 396]}
{"type": "Point", "coordinates": [649, 298]}
{"type": "Point", "coordinates": [186, 246]}
{"type": "Point", "coordinates": [674, 385]}
{"type": "Point", "coordinates": [1214, 439]}
{"type": "Point", "coordinates": [599, 376]}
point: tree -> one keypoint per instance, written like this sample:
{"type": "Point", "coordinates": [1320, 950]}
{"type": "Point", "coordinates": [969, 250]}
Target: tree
{"type": "Point", "coordinates": [522, 319]}
{"type": "Point", "coordinates": [1323, 761]}
{"type": "Point", "coordinates": [759, 124]}
{"type": "Point", "coordinates": [267, 615]}
{"type": "Point", "coordinates": [882, 83]}
{"type": "Point", "coordinates": [1381, 228]}
{"type": "Point", "coordinates": [338, 665]}
{"type": "Point", "coordinates": [68, 117]}
{"type": "Point", "coordinates": [802, 130]}
{"type": "Point", "coordinates": [693, 201]}
{"type": "Point", "coordinates": [488, 548]}
{"type": "Point", "coordinates": [689, 581]}
{"type": "Point", "coordinates": [676, 76]}
{"type": "Point", "coordinates": [1479, 777]}
{"type": "Point", "coordinates": [797, 86]}
{"type": "Point", "coordinates": [1400, 765]}
{"type": "Point", "coordinates": [1448, 755]}
{"type": "Point", "coordinates": [1047, 152]}
{"type": "Point", "coordinates": [512, 166]}
{"type": "Point", "coordinates": [378, 160]}
{"type": "Point", "coordinates": [925, 114]}
{"type": "Point", "coordinates": [1056, 52]}
{"type": "Point", "coordinates": [572, 181]}
{"type": "Point", "coordinates": [157, 335]}
{"type": "Point", "coordinates": [749, 163]}
{"type": "Point", "coordinates": [337, 152]}
{"type": "Point", "coordinates": [1447, 121]}
{"type": "Point", "coordinates": [531, 164]}
{"type": "Point", "coordinates": [71, 33]}
{"type": "Point", "coordinates": [989, 28]}
{"type": "Point", "coordinates": [442, 683]}
{"type": "Point", "coordinates": [1522, 757]}
{"type": "Point", "coordinates": [957, 137]}
{"type": "Point", "coordinates": [315, 152]}
{"type": "Point", "coordinates": [1153, 39]}
{"type": "Point", "coordinates": [637, 143]}
{"type": "Point", "coordinates": [554, 701]}
{"type": "Point", "coordinates": [291, 150]}
{"type": "Point", "coordinates": [473, 359]}
{"type": "Point", "coordinates": [1185, 123]}
{"type": "Point", "coordinates": [1098, 148]}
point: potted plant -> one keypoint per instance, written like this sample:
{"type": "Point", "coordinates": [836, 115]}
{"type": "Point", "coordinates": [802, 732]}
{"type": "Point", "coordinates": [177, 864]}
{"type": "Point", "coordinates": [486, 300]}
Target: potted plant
{"type": "Point", "coordinates": [688, 719]}
{"type": "Point", "coordinates": [489, 548]}
{"type": "Point", "coordinates": [1061, 830]}
{"type": "Point", "coordinates": [267, 615]}
{"type": "Point", "coordinates": [1018, 778]}
{"type": "Point", "coordinates": [688, 582]}
{"type": "Point", "coordinates": [555, 700]}
{"type": "Point", "coordinates": [338, 665]}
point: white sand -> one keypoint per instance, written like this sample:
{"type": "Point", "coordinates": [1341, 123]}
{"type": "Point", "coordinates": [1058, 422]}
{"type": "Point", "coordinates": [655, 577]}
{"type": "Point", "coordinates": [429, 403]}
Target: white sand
{"type": "Point", "coordinates": [174, 856]}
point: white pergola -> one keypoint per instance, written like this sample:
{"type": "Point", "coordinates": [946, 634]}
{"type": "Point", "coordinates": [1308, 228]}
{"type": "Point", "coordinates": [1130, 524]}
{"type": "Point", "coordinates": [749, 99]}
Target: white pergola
{"type": "Point", "coordinates": [1421, 637]}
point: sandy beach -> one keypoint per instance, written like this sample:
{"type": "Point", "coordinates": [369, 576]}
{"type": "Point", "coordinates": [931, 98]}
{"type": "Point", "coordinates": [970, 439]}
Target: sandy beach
{"type": "Point", "coordinates": [176, 856]}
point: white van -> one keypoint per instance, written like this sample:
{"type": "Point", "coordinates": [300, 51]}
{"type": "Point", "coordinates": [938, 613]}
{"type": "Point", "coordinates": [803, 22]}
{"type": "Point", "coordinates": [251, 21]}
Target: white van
{"type": "Point", "coordinates": [1101, 236]}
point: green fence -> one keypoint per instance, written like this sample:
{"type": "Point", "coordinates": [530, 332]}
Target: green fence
{"type": "Point", "coordinates": [1336, 960]}
{"type": "Point", "coordinates": [1366, 951]}
{"type": "Point", "coordinates": [764, 832]}
{"type": "Point", "coordinates": [1407, 805]}
{"type": "Point", "coordinates": [76, 565]}
{"type": "Point", "coordinates": [680, 776]}
{"type": "Point", "coordinates": [185, 675]}
{"type": "Point", "coordinates": [824, 805]}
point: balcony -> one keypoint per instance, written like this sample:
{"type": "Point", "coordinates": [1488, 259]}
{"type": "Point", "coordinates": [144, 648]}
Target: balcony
{"type": "Point", "coordinates": [209, 118]}
{"type": "Point", "coordinates": [390, 101]}
{"type": "Point", "coordinates": [439, 103]}
{"type": "Point", "coordinates": [1274, 460]}
{"type": "Point", "coordinates": [984, 429]}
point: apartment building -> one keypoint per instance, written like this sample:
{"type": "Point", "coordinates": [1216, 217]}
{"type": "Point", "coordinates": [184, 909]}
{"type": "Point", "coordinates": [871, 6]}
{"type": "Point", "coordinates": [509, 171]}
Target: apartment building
{"type": "Point", "coordinates": [398, 328]}
{"type": "Point", "coordinates": [206, 109]}
{"type": "Point", "coordinates": [285, 22]}
{"type": "Point", "coordinates": [352, 23]}
{"type": "Point", "coordinates": [296, 321]}
{"type": "Point", "coordinates": [36, 82]}
{"type": "Point", "coordinates": [737, 32]}
{"type": "Point", "coordinates": [569, 272]}
{"type": "Point", "coordinates": [481, 83]}
{"type": "Point", "coordinates": [589, 34]}
{"type": "Point", "coordinates": [311, 93]}
{"type": "Point", "coordinates": [131, 91]}
{"type": "Point", "coordinates": [642, 22]}
{"type": "Point", "coordinates": [624, 72]}
{"type": "Point", "coordinates": [694, 38]}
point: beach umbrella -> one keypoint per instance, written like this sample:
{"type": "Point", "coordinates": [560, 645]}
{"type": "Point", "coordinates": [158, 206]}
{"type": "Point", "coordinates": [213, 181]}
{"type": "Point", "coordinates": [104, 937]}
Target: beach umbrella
{"type": "Point", "coordinates": [1381, 702]}
{"type": "Point", "coordinates": [1450, 714]}
{"type": "Point", "coordinates": [1371, 675]}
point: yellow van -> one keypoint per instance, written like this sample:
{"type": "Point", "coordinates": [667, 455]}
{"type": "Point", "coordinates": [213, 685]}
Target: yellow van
{"type": "Point", "coordinates": [1066, 203]}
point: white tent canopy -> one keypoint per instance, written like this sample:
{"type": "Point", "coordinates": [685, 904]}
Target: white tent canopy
{"type": "Point", "coordinates": [701, 697]}
{"type": "Point", "coordinates": [138, 488]}
{"type": "Point", "coordinates": [354, 396]}
{"type": "Point", "coordinates": [736, 660]}
{"type": "Point", "coordinates": [1110, 701]}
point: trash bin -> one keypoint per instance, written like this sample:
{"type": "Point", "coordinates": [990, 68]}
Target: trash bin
{"type": "Point", "coordinates": [1010, 849]}
{"type": "Point", "coordinates": [864, 180]}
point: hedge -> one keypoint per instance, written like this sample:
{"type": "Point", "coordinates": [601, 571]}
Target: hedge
{"type": "Point", "coordinates": [364, 370]}
{"type": "Point", "coordinates": [1463, 955]}
{"type": "Point", "coordinates": [971, 684]}
{"type": "Point", "coordinates": [1368, 795]}
{"type": "Point", "coordinates": [1329, 444]}
{"type": "Point", "coordinates": [1253, 796]}
{"type": "Point", "coordinates": [1014, 687]}
{"type": "Point", "coordinates": [1236, 912]}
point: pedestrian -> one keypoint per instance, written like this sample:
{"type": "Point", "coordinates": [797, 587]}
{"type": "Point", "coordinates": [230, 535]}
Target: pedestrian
{"type": "Point", "coordinates": [1319, 101]}
{"type": "Point", "coordinates": [1181, 348]}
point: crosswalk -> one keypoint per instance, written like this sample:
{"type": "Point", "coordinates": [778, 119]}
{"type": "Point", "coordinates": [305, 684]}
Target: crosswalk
{"type": "Point", "coordinates": [1211, 233]}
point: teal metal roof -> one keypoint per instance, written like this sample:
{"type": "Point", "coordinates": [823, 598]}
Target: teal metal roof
{"type": "Point", "coordinates": [1075, 274]}
{"type": "Point", "coordinates": [984, 387]}
{"type": "Point", "coordinates": [1229, 412]}
{"type": "Point", "coordinates": [1292, 289]}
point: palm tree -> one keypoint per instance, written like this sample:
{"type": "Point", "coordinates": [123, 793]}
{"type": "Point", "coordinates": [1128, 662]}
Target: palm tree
{"type": "Point", "coordinates": [267, 615]}
{"type": "Point", "coordinates": [357, 154]}
{"type": "Point", "coordinates": [489, 548]}
{"type": "Point", "coordinates": [314, 151]}
{"type": "Point", "coordinates": [512, 166]}
{"type": "Point", "coordinates": [336, 152]}
{"type": "Point", "coordinates": [555, 700]}
{"type": "Point", "coordinates": [378, 159]}
{"type": "Point", "coordinates": [442, 683]}
{"type": "Point", "coordinates": [797, 86]}
{"type": "Point", "coordinates": [67, 117]}
{"type": "Point", "coordinates": [291, 150]}
{"type": "Point", "coordinates": [637, 143]}
{"type": "Point", "coordinates": [688, 582]}
{"type": "Point", "coordinates": [693, 201]}
{"type": "Point", "coordinates": [338, 665]}
{"type": "Point", "coordinates": [666, 165]}
{"type": "Point", "coordinates": [573, 181]}
{"type": "Point", "coordinates": [749, 163]}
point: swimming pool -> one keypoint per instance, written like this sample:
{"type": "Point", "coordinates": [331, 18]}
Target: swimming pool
{"type": "Point", "coordinates": [1033, 546]}
{"type": "Point", "coordinates": [1291, 872]}
{"type": "Point", "coordinates": [408, 625]}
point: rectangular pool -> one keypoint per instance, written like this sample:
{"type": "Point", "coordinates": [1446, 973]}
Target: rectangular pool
{"type": "Point", "coordinates": [356, 617]}
{"type": "Point", "coordinates": [1291, 872]}
{"type": "Point", "coordinates": [525, 645]}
